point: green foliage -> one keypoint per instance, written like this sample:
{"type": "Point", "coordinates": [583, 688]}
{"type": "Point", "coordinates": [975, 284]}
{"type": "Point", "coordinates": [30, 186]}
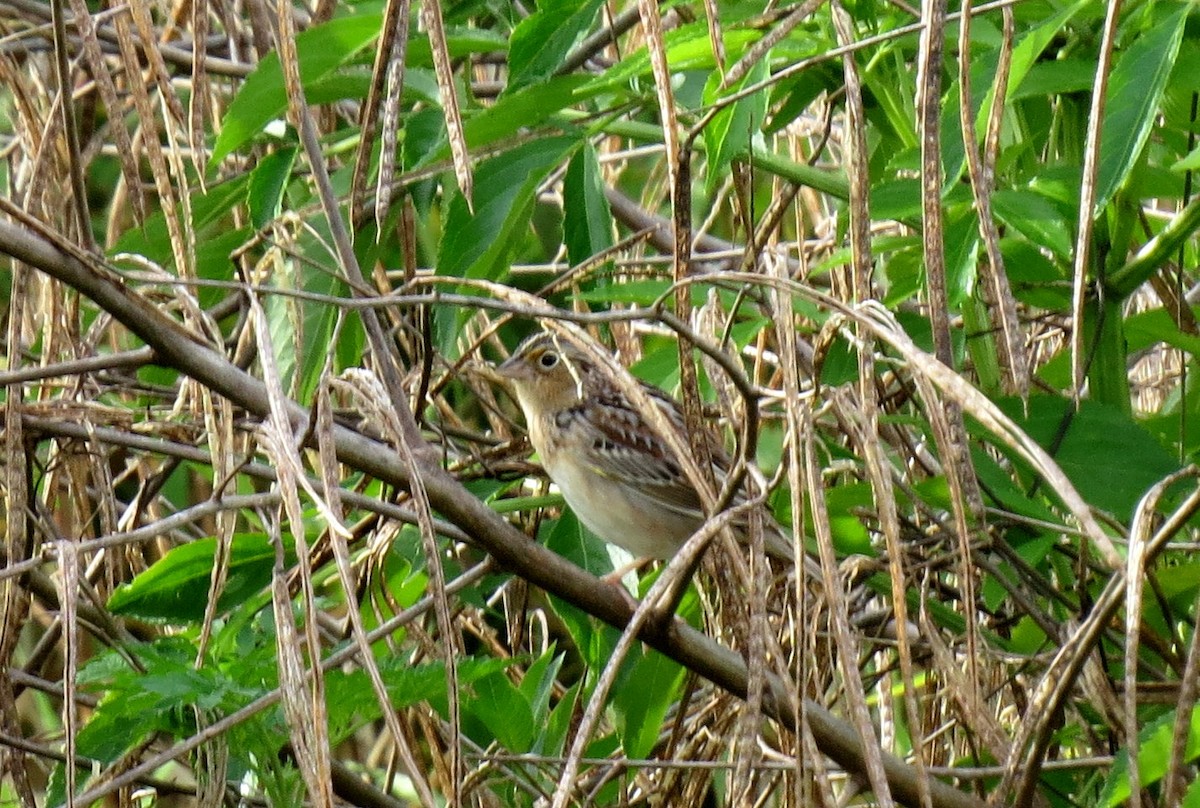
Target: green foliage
{"type": "Point", "coordinates": [1154, 750]}
{"type": "Point", "coordinates": [175, 589]}
{"type": "Point", "coordinates": [263, 97]}
{"type": "Point", "coordinates": [561, 145]}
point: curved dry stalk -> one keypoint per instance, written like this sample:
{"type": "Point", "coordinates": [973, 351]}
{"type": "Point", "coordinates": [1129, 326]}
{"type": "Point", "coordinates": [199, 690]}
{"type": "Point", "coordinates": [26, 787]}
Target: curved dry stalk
{"type": "Point", "coordinates": [511, 548]}
{"type": "Point", "coordinates": [1087, 198]}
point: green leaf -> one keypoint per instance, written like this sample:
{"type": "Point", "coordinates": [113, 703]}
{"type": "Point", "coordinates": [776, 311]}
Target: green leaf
{"type": "Point", "coordinates": [1154, 752]}
{"type": "Point", "coordinates": [210, 219]}
{"type": "Point", "coordinates": [688, 48]}
{"type": "Point", "coordinates": [267, 182]}
{"type": "Point", "coordinates": [1111, 459]}
{"type": "Point", "coordinates": [1191, 162]}
{"type": "Point", "coordinates": [1156, 325]}
{"type": "Point", "coordinates": [1058, 77]}
{"type": "Point", "coordinates": [541, 41]}
{"type": "Point", "coordinates": [641, 710]}
{"type": "Point", "coordinates": [587, 219]}
{"type": "Point", "coordinates": [539, 681]}
{"type": "Point", "coordinates": [1029, 50]}
{"type": "Point", "coordinates": [552, 739]}
{"type": "Point", "coordinates": [479, 243]}
{"type": "Point", "coordinates": [263, 98]}
{"type": "Point", "coordinates": [729, 133]}
{"type": "Point", "coordinates": [351, 699]}
{"type": "Point", "coordinates": [501, 707]}
{"type": "Point", "coordinates": [460, 41]}
{"type": "Point", "coordinates": [1134, 92]}
{"type": "Point", "coordinates": [571, 540]}
{"type": "Point", "coordinates": [175, 588]}
{"type": "Point", "coordinates": [521, 110]}
{"type": "Point", "coordinates": [961, 252]}
{"type": "Point", "coordinates": [1033, 216]}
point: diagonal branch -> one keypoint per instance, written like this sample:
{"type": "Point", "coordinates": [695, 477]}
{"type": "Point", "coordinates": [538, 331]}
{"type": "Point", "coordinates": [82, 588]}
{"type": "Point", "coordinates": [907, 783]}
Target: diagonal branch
{"type": "Point", "coordinates": [176, 348]}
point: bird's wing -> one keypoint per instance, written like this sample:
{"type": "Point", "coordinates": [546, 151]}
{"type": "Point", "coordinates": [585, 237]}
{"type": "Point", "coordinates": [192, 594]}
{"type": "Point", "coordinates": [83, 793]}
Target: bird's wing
{"type": "Point", "coordinates": [621, 446]}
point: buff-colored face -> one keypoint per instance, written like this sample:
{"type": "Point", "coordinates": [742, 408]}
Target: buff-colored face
{"type": "Point", "coordinates": [546, 374]}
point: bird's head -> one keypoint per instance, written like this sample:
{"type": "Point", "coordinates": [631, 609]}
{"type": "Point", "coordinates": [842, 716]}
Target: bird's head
{"type": "Point", "coordinates": [548, 374]}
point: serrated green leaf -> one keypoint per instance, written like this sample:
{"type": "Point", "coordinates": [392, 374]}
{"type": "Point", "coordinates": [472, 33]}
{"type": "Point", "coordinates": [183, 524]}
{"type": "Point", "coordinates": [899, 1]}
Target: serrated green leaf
{"type": "Point", "coordinates": [351, 701]}
{"type": "Point", "coordinates": [729, 133]}
{"type": "Point", "coordinates": [500, 706]}
{"type": "Point", "coordinates": [541, 41]}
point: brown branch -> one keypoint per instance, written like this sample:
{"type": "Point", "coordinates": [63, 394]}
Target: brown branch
{"type": "Point", "coordinates": [176, 348]}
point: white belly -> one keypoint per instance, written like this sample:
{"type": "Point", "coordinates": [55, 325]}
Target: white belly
{"type": "Point", "coordinates": [620, 515]}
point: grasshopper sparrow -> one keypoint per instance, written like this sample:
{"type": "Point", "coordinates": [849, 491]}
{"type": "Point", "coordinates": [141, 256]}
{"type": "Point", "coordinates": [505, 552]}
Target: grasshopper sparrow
{"type": "Point", "coordinates": [619, 477]}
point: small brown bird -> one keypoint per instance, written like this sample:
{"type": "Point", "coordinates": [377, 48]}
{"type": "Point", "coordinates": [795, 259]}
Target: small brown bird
{"type": "Point", "coordinates": [619, 477]}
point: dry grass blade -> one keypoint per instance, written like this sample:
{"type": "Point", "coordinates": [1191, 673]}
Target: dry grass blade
{"type": "Point", "coordinates": [147, 135]}
{"type": "Point", "coordinates": [1175, 779]}
{"type": "Point", "coordinates": [387, 82]}
{"type": "Point", "coordinates": [844, 641]}
{"type": "Point", "coordinates": [685, 559]}
{"type": "Point", "coordinates": [864, 434]}
{"type": "Point", "coordinates": [1023, 766]}
{"type": "Point", "coordinates": [371, 397]}
{"type": "Point", "coordinates": [949, 431]}
{"type": "Point", "coordinates": [431, 16]}
{"type": "Point", "coordinates": [1138, 559]}
{"type": "Point", "coordinates": [14, 600]}
{"type": "Point", "coordinates": [777, 34]}
{"type": "Point", "coordinates": [66, 107]}
{"type": "Point", "coordinates": [218, 423]}
{"type": "Point", "coordinates": [860, 287]}
{"type": "Point", "coordinates": [713, 20]}
{"type": "Point", "coordinates": [653, 32]}
{"type": "Point", "coordinates": [973, 402]}
{"type": "Point", "coordinates": [964, 693]}
{"type": "Point", "coordinates": [68, 597]}
{"type": "Point", "coordinates": [1087, 198]}
{"type": "Point", "coordinates": [1001, 305]}
{"type": "Point", "coordinates": [200, 105]}
{"type": "Point", "coordinates": [929, 85]}
{"type": "Point", "coordinates": [330, 479]}
{"type": "Point", "coordinates": [231, 382]}
{"type": "Point", "coordinates": [303, 701]}
{"type": "Point", "coordinates": [91, 51]}
{"type": "Point", "coordinates": [391, 123]}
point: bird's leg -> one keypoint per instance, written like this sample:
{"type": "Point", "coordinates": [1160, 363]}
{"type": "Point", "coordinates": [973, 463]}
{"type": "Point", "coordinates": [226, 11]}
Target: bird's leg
{"type": "Point", "coordinates": [616, 576]}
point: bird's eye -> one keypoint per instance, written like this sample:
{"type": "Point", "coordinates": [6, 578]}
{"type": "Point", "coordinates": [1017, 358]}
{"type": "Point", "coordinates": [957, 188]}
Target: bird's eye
{"type": "Point", "coordinates": [548, 360]}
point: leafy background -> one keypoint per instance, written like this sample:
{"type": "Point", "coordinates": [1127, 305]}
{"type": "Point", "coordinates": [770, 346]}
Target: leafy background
{"type": "Point", "coordinates": [269, 531]}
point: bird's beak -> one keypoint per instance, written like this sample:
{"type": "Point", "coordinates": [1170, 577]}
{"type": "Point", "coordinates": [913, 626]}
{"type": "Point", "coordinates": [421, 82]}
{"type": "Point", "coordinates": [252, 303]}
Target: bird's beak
{"type": "Point", "coordinates": [503, 374]}
{"type": "Point", "coordinates": [488, 372]}
{"type": "Point", "coordinates": [509, 370]}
